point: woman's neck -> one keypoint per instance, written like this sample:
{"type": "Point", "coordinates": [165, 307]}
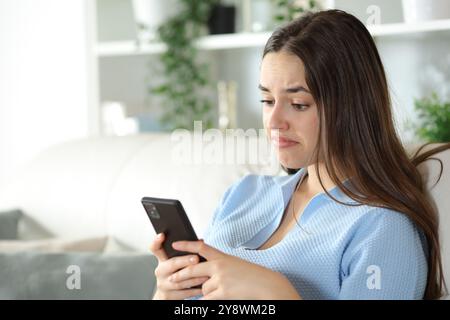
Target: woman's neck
{"type": "Point", "coordinates": [311, 184]}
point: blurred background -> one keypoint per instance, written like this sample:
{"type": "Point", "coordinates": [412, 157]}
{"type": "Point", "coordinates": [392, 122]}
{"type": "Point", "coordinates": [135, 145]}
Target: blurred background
{"type": "Point", "coordinates": [65, 64]}
{"type": "Point", "coordinates": [91, 90]}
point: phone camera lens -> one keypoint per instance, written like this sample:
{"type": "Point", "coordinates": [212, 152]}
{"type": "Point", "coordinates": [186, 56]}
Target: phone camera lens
{"type": "Point", "coordinates": [154, 213]}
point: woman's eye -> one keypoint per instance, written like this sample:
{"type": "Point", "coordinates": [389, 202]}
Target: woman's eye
{"type": "Point", "coordinates": [299, 106]}
{"type": "Point", "coordinates": [266, 102]}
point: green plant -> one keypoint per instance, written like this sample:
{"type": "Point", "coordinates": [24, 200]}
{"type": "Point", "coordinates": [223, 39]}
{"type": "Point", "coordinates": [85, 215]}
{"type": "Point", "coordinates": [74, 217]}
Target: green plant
{"type": "Point", "coordinates": [433, 119]}
{"type": "Point", "coordinates": [287, 10]}
{"type": "Point", "coordinates": [186, 82]}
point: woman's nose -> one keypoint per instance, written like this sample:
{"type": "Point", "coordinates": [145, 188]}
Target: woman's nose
{"type": "Point", "coordinates": [278, 117]}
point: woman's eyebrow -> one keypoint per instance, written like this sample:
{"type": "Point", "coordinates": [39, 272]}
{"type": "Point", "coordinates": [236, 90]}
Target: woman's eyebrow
{"type": "Point", "coordinates": [288, 90]}
{"type": "Point", "coordinates": [296, 89]}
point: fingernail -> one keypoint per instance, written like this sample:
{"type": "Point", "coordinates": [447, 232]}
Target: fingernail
{"type": "Point", "coordinates": [192, 259]}
{"type": "Point", "coordinates": [159, 236]}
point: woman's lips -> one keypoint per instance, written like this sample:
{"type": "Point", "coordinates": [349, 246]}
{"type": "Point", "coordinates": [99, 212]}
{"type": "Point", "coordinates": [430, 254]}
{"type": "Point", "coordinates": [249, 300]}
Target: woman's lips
{"type": "Point", "coordinates": [283, 142]}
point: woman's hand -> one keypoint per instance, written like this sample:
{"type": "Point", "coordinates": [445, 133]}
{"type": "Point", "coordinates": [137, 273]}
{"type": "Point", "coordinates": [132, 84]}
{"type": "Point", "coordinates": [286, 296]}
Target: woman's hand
{"type": "Point", "coordinates": [231, 277]}
{"type": "Point", "coordinates": [167, 290]}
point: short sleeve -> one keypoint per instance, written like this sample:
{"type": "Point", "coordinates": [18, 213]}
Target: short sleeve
{"type": "Point", "coordinates": [384, 259]}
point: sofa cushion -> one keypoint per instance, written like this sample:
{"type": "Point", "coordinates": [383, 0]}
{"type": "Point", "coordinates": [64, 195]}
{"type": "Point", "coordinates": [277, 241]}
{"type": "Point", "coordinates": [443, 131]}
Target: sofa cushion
{"type": "Point", "coordinates": [37, 275]}
{"type": "Point", "coordinates": [9, 221]}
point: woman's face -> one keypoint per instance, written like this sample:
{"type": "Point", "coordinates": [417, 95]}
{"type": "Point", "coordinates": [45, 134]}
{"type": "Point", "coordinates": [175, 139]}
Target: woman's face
{"type": "Point", "coordinates": [289, 112]}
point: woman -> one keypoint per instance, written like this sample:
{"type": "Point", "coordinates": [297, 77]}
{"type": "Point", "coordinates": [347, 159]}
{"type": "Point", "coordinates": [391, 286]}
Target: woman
{"type": "Point", "coordinates": [352, 220]}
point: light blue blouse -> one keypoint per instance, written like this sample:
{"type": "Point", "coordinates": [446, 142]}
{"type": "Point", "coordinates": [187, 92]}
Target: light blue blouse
{"type": "Point", "coordinates": [335, 252]}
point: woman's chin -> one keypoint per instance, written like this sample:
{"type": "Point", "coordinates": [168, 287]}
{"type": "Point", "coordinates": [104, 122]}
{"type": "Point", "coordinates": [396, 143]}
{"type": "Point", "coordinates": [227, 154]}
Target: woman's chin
{"type": "Point", "coordinates": [291, 158]}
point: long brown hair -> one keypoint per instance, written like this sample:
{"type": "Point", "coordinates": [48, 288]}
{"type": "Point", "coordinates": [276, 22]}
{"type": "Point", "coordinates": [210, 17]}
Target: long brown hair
{"type": "Point", "coordinates": [357, 137]}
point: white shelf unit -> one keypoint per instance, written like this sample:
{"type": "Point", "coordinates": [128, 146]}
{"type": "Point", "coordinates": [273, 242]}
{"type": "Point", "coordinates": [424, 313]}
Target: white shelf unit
{"type": "Point", "coordinates": [247, 40]}
{"type": "Point", "coordinates": [117, 66]}
{"type": "Point", "coordinates": [393, 29]}
{"type": "Point", "coordinates": [214, 42]}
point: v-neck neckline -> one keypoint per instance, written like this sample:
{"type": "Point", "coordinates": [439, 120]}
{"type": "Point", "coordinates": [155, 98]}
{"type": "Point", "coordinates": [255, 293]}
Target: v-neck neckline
{"type": "Point", "coordinates": [287, 189]}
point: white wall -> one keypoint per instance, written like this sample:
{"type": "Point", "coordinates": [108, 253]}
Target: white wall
{"type": "Point", "coordinates": [43, 78]}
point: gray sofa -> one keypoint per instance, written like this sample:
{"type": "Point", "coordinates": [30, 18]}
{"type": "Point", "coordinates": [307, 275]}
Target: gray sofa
{"type": "Point", "coordinates": [42, 269]}
{"type": "Point", "coordinates": [76, 275]}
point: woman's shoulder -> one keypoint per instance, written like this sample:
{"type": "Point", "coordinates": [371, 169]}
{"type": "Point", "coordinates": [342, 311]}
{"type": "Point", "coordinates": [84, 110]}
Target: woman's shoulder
{"type": "Point", "coordinates": [361, 217]}
{"type": "Point", "coordinates": [384, 225]}
{"type": "Point", "coordinates": [250, 200]}
{"type": "Point", "coordinates": [249, 191]}
{"type": "Point", "coordinates": [254, 184]}
{"type": "Point", "coordinates": [357, 222]}
{"type": "Point", "coordinates": [369, 215]}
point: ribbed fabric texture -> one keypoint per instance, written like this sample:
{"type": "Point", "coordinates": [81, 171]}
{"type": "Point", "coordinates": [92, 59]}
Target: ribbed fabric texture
{"type": "Point", "coordinates": [336, 251]}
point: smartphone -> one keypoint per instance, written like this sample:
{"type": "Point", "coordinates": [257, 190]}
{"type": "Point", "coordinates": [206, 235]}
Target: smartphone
{"type": "Point", "coordinates": [168, 216]}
